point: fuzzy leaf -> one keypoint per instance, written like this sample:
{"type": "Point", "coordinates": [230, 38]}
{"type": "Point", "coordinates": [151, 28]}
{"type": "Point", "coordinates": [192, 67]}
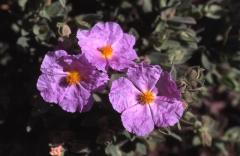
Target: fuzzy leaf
{"type": "Point", "coordinates": [141, 148]}
{"type": "Point", "coordinates": [185, 20]}
{"type": "Point", "coordinates": [232, 134]}
{"type": "Point", "coordinates": [22, 4]}
{"type": "Point", "coordinates": [113, 150]}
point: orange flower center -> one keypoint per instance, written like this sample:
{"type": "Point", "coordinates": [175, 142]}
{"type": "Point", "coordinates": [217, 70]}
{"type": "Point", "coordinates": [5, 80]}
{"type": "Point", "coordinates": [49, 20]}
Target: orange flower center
{"type": "Point", "coordinates": [146, 97]}
{"type": "Point", "coordinates": [106, 51]}
{"type": "Point", "coordinates": [73, 77]}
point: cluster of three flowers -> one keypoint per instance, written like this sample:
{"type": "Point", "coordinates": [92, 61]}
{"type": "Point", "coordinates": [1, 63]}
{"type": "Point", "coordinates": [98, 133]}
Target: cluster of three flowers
{"type": "Point", "coordinates": [146, 96]}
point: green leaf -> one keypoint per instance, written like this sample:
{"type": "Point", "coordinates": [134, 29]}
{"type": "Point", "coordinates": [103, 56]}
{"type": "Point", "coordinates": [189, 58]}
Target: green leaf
{"type": "Point", "coordinates": [222, 148]}
{"type": "Point", "coordinates": [22, 4]}
{"type": "Point", "coordinates": [36, 29]}
{"type": "Point", "coordinates": [63, 3]}
{"type": "Point", "coordinates": [15, 27]}
{"type": "Point", "coordinates": [155, 137]}
{"type": "Point", "coordinates": [128, 135]}
{"type": "Point", "coordinates": [170, 44]}
{"type": "Point", "coordinates": [213, 11]}
{"type": "Point", "coordinates": [232, 135]}
{"type": "Point", "coordinates": [206, 137]}
{"type": "Point", "coordinates": [43, 13]}
{"type": "Point", "coordinates": [157, 58]}
{"type": "Point", "coordinates": [146, 5]}
{"type": "Point", "coordinates": [126, 5]}
{"type": "Point", "coordinates": [185, 20]}
{"type": "Point", "coordinates": [141, 148]}
{"type": "Point", "coordinates": [209, 78]}
{"type": "Point", "coordinates": [113, 150]}
{"type": "Point", "coordinates": [174, 135]}
{"type": "Point", "coordinates": [173, 72]}
{"type": "Point", "coordinates": [206, 63]}
{"type": "Point", "coordinates": [179, 56]}
{"type": "Point", "coordinates": [97, 98]}
{"type": "Point", "coordinates": [168, 13]}
{"type": "Point", "coordinates": [24, 32]}
{"type": "Point", "coordinates": [87, 19]}
{"type": "Point", "coordinates": [188, 36]}
{"type": "Point", "coordinates": [23, 42]}
{"type": "Point", "coordinates": [196, 141]}
{"type": "Point", "coordinates": [54, 10]}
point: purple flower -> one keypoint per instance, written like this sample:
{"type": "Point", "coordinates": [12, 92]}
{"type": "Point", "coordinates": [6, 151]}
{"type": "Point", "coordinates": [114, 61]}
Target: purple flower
{"type": "Point", "coordinates": [105, 45]}
{"type": "Point", "coordinates": [146, 97]}
{"type": "Point", "coordinates": [68, 80]}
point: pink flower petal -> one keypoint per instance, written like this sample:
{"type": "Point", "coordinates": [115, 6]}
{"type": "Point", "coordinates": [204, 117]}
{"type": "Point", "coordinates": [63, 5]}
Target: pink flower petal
{"type": "Point", "coordinates": [138, 120]}
{"type": "Point", "coordinates": [144, 76]}
{"type": "Point", "coordinates": [167, 86]}
{"type": "Point", "coordinates": [166, 111]}
{"type": "Point", "coordinates": [123, 94]}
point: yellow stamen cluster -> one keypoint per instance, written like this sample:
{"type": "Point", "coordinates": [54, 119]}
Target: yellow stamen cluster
{"type": "Point", "coordinates": [146, 97]}
{"type": "Point", "coordinates": [106, 51]}
{"type": "Point", "coordinates": [73, 78]}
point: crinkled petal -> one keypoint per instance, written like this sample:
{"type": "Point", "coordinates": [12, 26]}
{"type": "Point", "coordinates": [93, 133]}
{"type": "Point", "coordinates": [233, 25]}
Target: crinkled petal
{"type": "Point", "coordinates": [53, 86]}
{"type": "Point", "coordinates": [104, 34]}
{"type": "Point", "coordinates": [119, 63]}
{"type": "Point", "coordinates": [95, 81]}
{"type": "Point", "coordinates": [75, 98]}
{"type": "Point", "coordinates": [124, 48]}
{"type": "Point", "coordinates": [49, 87]}
{"type": "Point", "coordinates": [167, 86]}
{"type": "Point", "coordinates": [91, 78]}
{"type": "Point", "coordinates": [50, 64]}
{"type": "Point", "coordinates": [124, 54]}
{"type": "Point", "coordinates": [88, 105]}
{"type": "Point", "coordinates": [88, 40]}
{"type": "Point", "coordinates": [144, 76]}
{"type": "Point", "coordinates": [98, 61]}
{"type": "Point", "coordinates": [123, 94]}
{"type": "Point", "coordinates": [110, 32]}
{"type": "Point", "coordinates": [166, 111]}
{"type": "Point", "coordinates": [138, 120]}
{"type": "Point", "coordinates": [90, 48]}
{"type": "Point", "coordinates": [100, 35]}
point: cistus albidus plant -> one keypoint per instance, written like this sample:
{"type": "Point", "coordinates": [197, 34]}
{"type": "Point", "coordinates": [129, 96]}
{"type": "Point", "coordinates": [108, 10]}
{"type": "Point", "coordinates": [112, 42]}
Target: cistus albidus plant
{"type": "Point", "coordinates": [127, 77]}
{"type": "Point", "coordinates": [146, 95]}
